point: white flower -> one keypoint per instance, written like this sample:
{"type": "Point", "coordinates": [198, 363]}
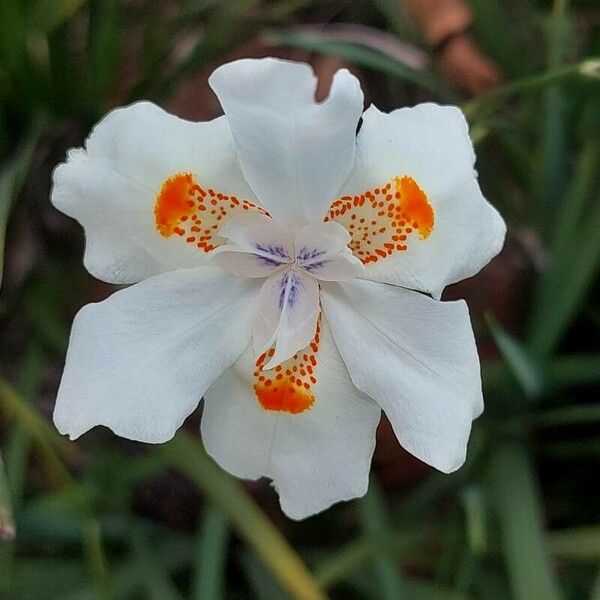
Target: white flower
{"type": "Point", "coordinates": [277, 253]}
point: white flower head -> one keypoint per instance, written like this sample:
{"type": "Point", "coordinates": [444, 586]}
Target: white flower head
{"type": "Point", "coordinates": [287, 270]}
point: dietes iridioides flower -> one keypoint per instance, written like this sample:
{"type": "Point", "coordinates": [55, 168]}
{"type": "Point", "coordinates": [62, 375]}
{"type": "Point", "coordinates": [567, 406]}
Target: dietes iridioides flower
{"type": "Point", "coordinates": [287, 270]}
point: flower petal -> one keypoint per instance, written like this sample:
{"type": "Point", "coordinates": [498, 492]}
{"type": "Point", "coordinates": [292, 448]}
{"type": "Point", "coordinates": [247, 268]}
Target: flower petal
{"type": "Point", "coordinates": [418, 163]}
{"type": "Point", "coordinates": [322, 250]}
{"type": "Point", "coordinates": [256, 245]}
{"type": "Point", "coordinates": [112, 188]}
{"type": "Point", "coordinates": [416, 357]}
{"type": "Point", "coordinates": [316, 457]}
{"type": "Point", "coordinates": [286, 318]}
{"type": "Point", "coordinates": [140, 361]}
{"type": "Point", "coordinates": [295, 153]}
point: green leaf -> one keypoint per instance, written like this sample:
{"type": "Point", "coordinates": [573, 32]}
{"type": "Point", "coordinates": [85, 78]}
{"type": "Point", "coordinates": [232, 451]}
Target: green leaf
{"type": "Point", "coordinates": [12, 177]}
{"type": "Point", "coordinates": [526, 370]}
{"type": "Point", "coordinates": [187, 455]}
{"type": "Point", "coordinates": [514, 495]}
{"type": "Point", "coordinates": [212, 555]}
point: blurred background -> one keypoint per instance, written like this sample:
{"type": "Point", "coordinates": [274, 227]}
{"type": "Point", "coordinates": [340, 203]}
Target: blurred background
{"type": "Point", "coordinates": [103, 518]}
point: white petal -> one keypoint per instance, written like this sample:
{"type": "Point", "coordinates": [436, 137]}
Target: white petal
{"type": "Point", "coordinates": [315, 458]}
{"type": "Point", "coordinates": [286, 318]}
{"type": "Point", "coordinates": [112, 185]}
{"type": "Point", "coordinates": [257, 246]}
{"type": "Point", "coordinates": [295, 153]}
{"type": "Point", "coordinates": [140, 361]}
{"type": "Point", "coordinates": [431, 144]}
{"type": "Point", "coordinates": [322, 250]}
{"type": "Point", "coordinates": [416, 357]}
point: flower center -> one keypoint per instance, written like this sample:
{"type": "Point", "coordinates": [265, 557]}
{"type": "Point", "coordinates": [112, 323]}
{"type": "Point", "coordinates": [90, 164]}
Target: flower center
{"type": "Point", "coordinates": [257, 246]}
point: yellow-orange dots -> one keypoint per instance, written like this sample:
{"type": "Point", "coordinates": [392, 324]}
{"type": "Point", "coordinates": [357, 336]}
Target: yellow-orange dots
{"type": "Point", "coordinates": [288, 389]}
{"type": "Point", "coordinates": [385, 216]}
{"type": "Point", "coordinates": [184, 208]}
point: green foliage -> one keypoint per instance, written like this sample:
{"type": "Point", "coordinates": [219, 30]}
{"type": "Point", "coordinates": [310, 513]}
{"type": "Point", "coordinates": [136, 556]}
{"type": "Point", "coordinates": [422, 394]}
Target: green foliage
{"type": "Point", "coordinates": [518, 521]}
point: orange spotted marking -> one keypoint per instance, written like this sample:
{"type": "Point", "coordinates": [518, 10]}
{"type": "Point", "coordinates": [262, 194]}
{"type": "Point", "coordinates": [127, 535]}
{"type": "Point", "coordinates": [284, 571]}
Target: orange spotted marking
{"type": "Point", "coordinates": [288, 387]}
{"type": "Point", "coordinates": [381, 221]}
{"type": "Point", "coordinates": [194, 213]}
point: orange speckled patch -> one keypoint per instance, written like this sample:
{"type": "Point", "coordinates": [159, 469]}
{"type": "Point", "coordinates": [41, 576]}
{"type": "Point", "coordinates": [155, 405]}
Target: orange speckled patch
{"type": "Point", "coordinates": [381, 220]}
{"type": "Point", "coordinates": [288, 387]}
{"type": "Point", "coordinates": [186, 209]}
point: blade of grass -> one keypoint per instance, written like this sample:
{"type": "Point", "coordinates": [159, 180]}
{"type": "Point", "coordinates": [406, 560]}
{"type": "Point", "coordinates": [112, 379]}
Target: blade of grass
{"type": "Point", "coordinates": [95, 557]}
{"type": "Point", "coordinates": [582, 186]}
{"type": "Point", "coordinates": [568, 222]}
{"type": "Point", "coordinates": [12, 177]}
{"type": "Point", "coordinates": [264, 586]}
{"type": "Point", "coordinates": [216, 41]}
{"type": "Point", "coordinates": [476, 525]}
{"type": "Point", "coordinates": [486, 104]}
{"type": "Point", "coordinates": [396, 20]}
{"type": "Point", "coordinates": [7, 525]}
{"type": "Point", "coordinates": [65, 72]}
{"type": "Point", "coordinates": [362, 56]}
{"type": "Point", "coordinates": [18, 444]}
{"type": "Point", "coordinates": [158, 583]}
{"type": "Point", "coordinates": [376, 526]}
{"type": "Point", "coordinates": [577, 543]}
{"type": "Point", "coordinates": [414, 588]}
{"type": "Point", "coordinates": [49, 443]}
{"type": "Point", "coordinates": [104, 44]}
{"type": "Point", "coordinates": [562, 372]}
{"type": "Point", "coordinates": [574, 285]}
{"type": "Point", "coordinates": [186, 455]}
{"type": "Point", "coordinates": [595, 593]}
{"type": "Point", "coordinates": [504, 32]}
{"type": "Point", "coordinates": [212, 555]}
{"type": "Point", "coordinates": [569, 415]}
{"type": "Point", "coordinates": [46, 16]}
{"type": "Point", "coordinates": [17, 450]}
{"type": "Point", "coordinates": [588, 448]}
{"type": "Point", "coordinates": [344, 561]}
{"type": "Point", "coordinates": [515, 498]}
{"type": "Point", "coordinates": [525, 369]}
{"type": "Point", "coordinates": [438, 485]}
{"type": "Point", "coordinates": [12, 34]}
{"type": "Point", "coordinates": [554, 127]}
